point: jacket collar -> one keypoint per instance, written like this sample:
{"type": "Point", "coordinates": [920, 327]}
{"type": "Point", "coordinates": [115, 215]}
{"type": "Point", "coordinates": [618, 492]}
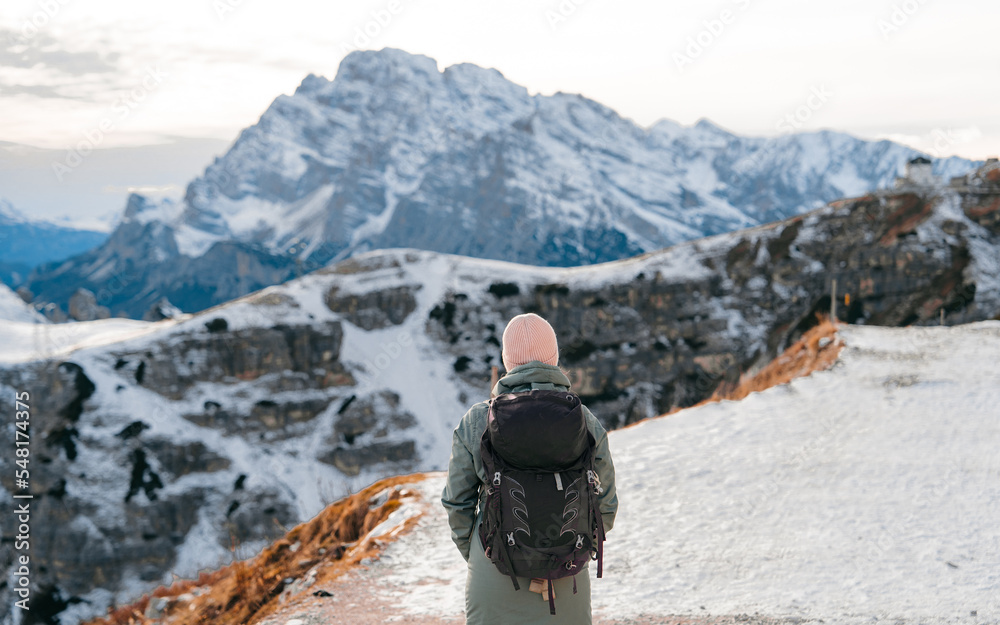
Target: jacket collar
{"type": "Point", "coordinates": [530, 376]}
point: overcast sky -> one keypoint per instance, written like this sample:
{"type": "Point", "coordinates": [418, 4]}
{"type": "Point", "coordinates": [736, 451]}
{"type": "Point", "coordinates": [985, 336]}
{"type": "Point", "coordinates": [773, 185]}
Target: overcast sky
{"type": "Point", "coordinates": [926, 73]}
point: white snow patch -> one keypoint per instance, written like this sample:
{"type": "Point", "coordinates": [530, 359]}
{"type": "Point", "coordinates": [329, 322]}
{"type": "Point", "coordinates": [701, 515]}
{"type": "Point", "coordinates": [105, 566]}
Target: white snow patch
{"type": "Point", "coordinates": [13, 308]}
{"type": "Point", "coordinates": [24, 342]}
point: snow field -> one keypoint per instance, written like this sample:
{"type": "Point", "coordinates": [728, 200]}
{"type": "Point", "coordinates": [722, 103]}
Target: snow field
{"type": "Point", "coordinates": [870, 491]}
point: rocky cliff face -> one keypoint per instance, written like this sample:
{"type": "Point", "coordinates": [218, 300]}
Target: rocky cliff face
{"type": "Point", "coordinates": [152, 454]}
{"type": "Point", "coordinates": [394, 153]}
{"type": "Point", "coordinates": [140, 264]}
{"type": "Point", "coordinates": [652, 340]}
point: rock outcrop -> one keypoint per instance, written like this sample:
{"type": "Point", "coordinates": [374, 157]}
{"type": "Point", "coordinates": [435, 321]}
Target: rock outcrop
{"type": "Point", "coordinates": [83, 306]}
{"type": "Point", "coordinates": [648, 341]}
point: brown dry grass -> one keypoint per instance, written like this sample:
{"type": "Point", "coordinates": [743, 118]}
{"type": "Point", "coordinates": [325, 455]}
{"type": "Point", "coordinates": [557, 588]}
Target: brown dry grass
{"type": "Point", "coordinates": [246, 591]}
{"type": "Point", "coordinates": [909, 211]}
{"type": "Point", "coordinates": [802, 358]}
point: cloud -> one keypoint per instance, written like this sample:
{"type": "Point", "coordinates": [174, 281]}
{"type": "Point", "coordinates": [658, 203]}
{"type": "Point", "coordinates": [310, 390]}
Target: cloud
{"type": "Point", "coordinates": [39, 91]}
{"type": "Point", "coordinates": [43, 50]}
{"type": "Point", "coordinates": [938, 142]}
{"type": "Point", "coordinates": [45, 67]}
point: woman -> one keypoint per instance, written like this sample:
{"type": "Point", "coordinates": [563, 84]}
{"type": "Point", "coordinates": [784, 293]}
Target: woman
{"type": "Point", "coordinates": [530, 356]}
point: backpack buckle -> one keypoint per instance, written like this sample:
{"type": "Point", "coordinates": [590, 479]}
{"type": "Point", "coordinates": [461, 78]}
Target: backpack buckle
{"type": "Point", "coordinates": [496, 479]}
{"type": "Point", "coordinates": [596, 481]}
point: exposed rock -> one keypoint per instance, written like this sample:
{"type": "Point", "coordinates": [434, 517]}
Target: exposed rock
{"type": "Point", "coordinates": [272, 419]}
{"type": "Point", "coordinates": [351, 460]}
{"type": "Point", "coordinates": [131, 430]}
{"type": "Point", "coordinates": [289, 357]}
{"type": "Point", "coordinates": [378, 415]}
{"type": "Point", "coordinates": [54, 313]}
{"type": "Point", "coordinates": [83, 307]}
{"type": "Point", "coordinates": [375, 309]}
{"type": "Point", "coordinates": [161, 310]}
{"type": "Point", "coordinates": [361, 431]}
{"type": "Point", "coordinates": [644, 344]}
{"type": "Point", "coordinates": [143, 477]}
{"type": "Point", "coordinates": [219, 324]}
{"type": "Point", "coordinates": [261, 514]}
{"type": "Point", "coordinates": [180, 460]}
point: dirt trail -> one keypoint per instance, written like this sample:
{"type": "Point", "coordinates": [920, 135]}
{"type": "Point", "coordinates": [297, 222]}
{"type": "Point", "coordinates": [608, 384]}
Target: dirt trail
{"type": "Point", "coordinates": [356, 599]}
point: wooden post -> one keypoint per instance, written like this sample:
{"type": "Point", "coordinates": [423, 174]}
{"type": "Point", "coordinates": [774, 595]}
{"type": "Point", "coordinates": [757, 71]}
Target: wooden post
{"type": "Point", "coordinates": [494, 378]}
{"type": "Point", "coordinates": [942, 316]}
{"type": "Point", "coordinates": [833, 301]}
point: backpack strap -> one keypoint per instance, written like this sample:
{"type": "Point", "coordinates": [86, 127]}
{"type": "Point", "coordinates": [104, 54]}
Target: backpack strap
{"type": "Point", "coordinates": [510, 566]}
{"type": "Point", "coordinates": [493, 513]}
{"type": "Point", "coordinates": [552, 599]}
{"type": "Point", "coordinates": [595, 482]}
{"type": "Point", "coordinates": [504, 553]}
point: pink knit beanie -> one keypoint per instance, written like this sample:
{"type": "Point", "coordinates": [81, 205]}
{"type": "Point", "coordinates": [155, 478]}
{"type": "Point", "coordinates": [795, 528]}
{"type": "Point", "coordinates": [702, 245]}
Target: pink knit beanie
{"type": "Point", "coordinates": [529, 337]}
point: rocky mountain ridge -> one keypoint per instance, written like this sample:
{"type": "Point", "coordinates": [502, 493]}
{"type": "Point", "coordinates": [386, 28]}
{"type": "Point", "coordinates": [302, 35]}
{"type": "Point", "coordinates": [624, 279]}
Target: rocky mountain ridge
{"type": "Point", "coordinates": [394, 153]}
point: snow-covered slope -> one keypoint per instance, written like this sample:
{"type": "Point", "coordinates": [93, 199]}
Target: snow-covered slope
{"type": "Point", "coordinates": [34, 338]}
{"type": "Point", "coordinates": [867, 492]}
{"type": "Point", "coordinates": [395, 153]}
{"type": "Point", "coordinates": [13, 308]}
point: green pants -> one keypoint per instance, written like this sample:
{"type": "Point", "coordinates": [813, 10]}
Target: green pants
{"type": "Point", "coordinates": [490, 598]}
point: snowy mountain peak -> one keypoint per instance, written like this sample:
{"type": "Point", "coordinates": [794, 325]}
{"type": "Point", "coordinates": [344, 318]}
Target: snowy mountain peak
{"type": "Point", "coordinates": [471, 78]}
{"type": "Point", "coordinates": [395, 153]}
{"type": "Point", "coordinates": [311, 84]}
{"type": "Point", "coordinates": [708, 126]}
{"type": "Point", "coordinates": [164, 213]}
{"type": "Point", "coordinates": [385, 65]}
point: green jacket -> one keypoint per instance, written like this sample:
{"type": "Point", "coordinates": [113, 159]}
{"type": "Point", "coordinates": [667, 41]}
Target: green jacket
{"type": "Point", "coordinates": [465, 468]}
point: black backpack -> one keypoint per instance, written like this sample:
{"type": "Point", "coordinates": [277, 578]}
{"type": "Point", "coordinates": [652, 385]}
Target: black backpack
{"type": "Point", "coordinates": [541, 517]}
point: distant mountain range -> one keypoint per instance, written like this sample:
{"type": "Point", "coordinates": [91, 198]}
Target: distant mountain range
{"type": "Point", "coordinates": [394, 153]}
{"type": "Point", "coordinates": [92, 195]}
{"type": "Point", "coordinates": [26, 243]}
